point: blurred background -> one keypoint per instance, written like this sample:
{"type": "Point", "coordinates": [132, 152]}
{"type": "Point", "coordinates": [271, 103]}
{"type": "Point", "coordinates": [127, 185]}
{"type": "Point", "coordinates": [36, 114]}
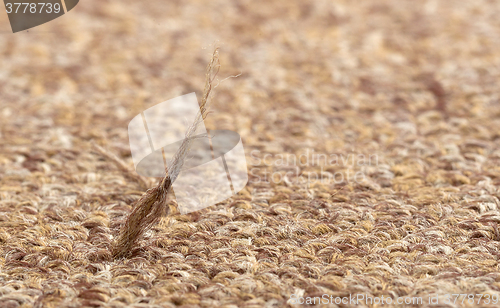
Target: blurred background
{"type": "Point", "coordinates": [87, 73]}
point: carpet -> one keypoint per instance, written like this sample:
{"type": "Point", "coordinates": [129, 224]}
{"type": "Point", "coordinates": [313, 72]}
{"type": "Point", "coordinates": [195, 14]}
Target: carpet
{"type": "Point", "coordinates": [372, 139]}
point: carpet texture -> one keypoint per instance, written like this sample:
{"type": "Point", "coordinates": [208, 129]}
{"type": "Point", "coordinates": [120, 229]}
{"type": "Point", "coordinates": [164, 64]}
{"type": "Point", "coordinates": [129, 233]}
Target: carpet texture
{"type": "Point", "coordinates": [390, 109]}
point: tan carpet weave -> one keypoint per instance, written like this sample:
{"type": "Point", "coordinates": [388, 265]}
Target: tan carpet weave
{"type": "Point", "coordinates": [415, 83]}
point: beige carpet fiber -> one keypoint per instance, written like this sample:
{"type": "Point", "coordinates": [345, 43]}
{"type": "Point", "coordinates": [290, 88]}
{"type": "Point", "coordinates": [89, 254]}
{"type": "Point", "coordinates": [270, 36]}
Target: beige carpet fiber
{"type": "Point", "coordinates": [413, 85]}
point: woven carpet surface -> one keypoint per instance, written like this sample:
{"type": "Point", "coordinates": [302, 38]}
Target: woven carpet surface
{"type": "Point", "coordinates": [391, 109]}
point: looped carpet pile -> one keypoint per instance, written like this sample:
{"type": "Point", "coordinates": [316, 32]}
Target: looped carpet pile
{"type": "Point", "coordinates": [412, 83]}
